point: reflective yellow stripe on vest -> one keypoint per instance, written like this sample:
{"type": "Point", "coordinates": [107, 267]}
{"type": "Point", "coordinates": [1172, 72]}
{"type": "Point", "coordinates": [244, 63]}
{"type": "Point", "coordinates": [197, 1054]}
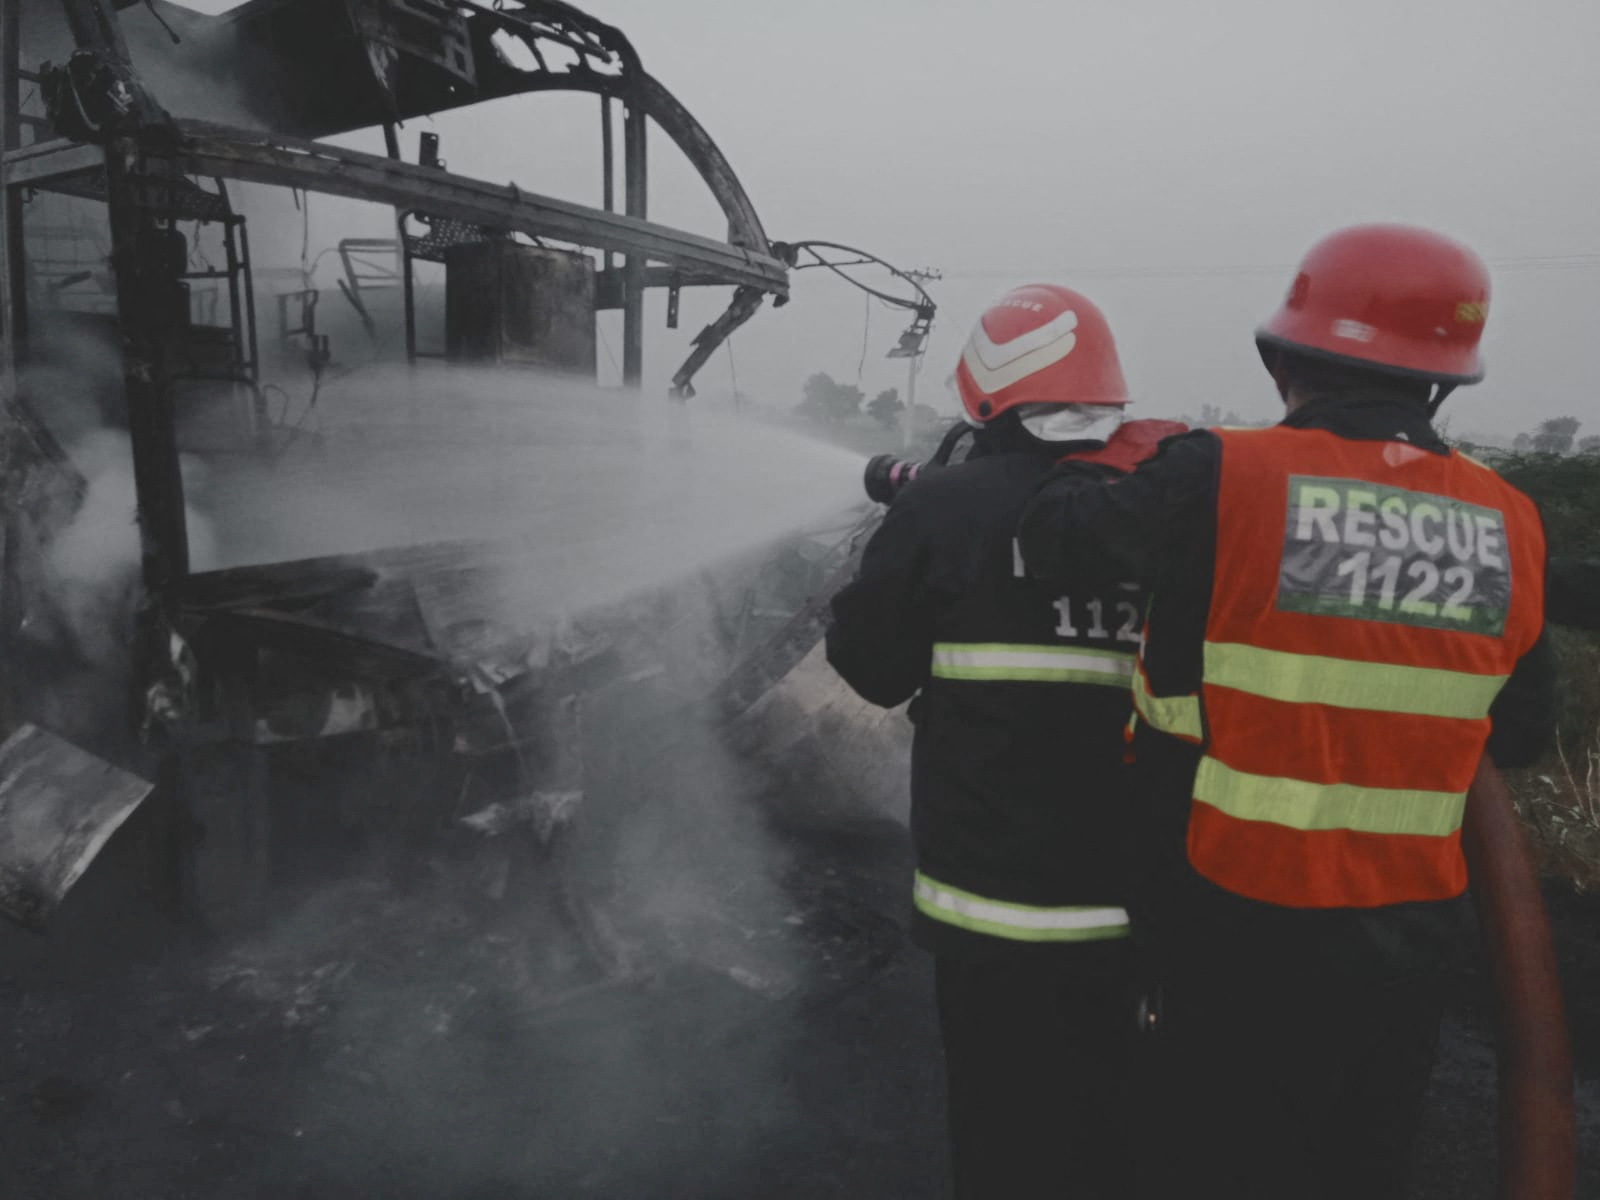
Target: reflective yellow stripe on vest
{"type": "Point", "coordinates": [1346, 683]}
{"type": "Point", "coordinates": [1178, 715]}
{"type": "Point", "coordinates": [1019, 922]}
{"type": "Point", "coordinates": [1031, 664]}
{"type": "Point", "coordinates": [1301, 805]}
{"type": "Point", "coordinates": [1313, 679]}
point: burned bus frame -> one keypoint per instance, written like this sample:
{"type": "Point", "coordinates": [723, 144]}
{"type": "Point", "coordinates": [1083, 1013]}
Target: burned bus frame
{"type": "Point", "coordinates": [129, 171]}
{"type": "Point", "coordinates": [142, 162]}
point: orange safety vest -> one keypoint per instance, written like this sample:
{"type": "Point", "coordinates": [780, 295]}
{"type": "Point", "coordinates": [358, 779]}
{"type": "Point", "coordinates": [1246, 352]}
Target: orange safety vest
{"type": "Point", "coordinates": [1369, 601]}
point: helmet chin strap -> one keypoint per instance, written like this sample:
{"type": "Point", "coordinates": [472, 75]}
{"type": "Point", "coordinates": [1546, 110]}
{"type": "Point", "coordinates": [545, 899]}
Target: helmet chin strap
{"type": "Point", "coordinates": [1441, 391]}
{"type": "Point", "coordinates": [1279, 372]}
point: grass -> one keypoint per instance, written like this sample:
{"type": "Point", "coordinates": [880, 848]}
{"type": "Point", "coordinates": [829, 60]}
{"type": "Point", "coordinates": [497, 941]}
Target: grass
{"type": "Point", "coordinates": [1559, 799]}
{"type": "Point", "coordinates": [1561, 810]}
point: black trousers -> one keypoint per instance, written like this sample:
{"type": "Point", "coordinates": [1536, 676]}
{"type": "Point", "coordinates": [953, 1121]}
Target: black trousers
{"type": "Point", "coordinates": [1036, 1054]}
{"type": "Point", "coordinates": [1309, 1087]}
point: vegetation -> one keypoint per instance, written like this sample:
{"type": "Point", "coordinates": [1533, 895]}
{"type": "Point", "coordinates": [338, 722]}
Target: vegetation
{"type": "Point", "coordinates": [1560, 798]}
{"type": "Point", "coordinates": [1212, 416]}
{"type": "Point", "coordinates": [1567, 491]}
{"type": "Point", "coordinates": [1554, 436]}
{"type": "Point", "coordinates": [827, 401]}
{"type": "Point", "coordinates": [835, 412]}
{"type": "Point", "coordinates": [886, 408]}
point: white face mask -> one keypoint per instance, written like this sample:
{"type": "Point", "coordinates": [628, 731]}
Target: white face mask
{"type": "Point", "coordinates": [1072, 422]}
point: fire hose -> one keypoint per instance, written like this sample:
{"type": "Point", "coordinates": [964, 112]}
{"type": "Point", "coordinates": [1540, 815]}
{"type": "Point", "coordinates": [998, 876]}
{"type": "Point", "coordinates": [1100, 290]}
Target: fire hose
{"type": "Point", "coordinates": [1536, 1137]}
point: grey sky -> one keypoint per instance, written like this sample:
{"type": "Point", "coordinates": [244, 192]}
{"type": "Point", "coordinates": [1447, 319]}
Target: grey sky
{"type": "Point", "coordinates": [1171, 159]}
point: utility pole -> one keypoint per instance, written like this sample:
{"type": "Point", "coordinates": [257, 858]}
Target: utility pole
{"type": "Point", "coordinates": [920, 276]}
{"type": "Point", "coordinates": [915, 338]}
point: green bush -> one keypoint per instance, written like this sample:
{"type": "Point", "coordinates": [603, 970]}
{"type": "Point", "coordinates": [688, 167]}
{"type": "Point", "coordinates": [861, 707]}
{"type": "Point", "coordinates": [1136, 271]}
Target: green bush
{"type": "Point", "coordinates": [1567, 490]}
{"type": "Point", "coordinates": [1561, 796]}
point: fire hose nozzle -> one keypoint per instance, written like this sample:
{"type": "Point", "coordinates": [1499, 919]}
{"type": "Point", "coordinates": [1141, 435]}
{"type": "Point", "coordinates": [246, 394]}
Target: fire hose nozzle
{"type": "Point", "coordinates": [887, 475]}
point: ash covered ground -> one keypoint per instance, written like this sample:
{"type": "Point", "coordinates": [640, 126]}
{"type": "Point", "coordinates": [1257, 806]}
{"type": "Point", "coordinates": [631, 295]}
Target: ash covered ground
{"type": "Point", "coordinates": [413, 1051]}
{"type": "Point", "coordinates": [677, 997]}
{"type": "Point", "coordinates": [443, 1025]}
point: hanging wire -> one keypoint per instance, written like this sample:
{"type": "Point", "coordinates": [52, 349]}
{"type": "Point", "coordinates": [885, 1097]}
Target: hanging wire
{"type": "Point", "coordinates": [197, 250]}
{"type": "Point", "coordinates": [311, 271]}
{"type": "Point", "coordinates": [162, 21]}
{"type": "Point", "coordinates": [814, 250]}
{"type": "Point", "coordinates": [306, 412]}
{"type": "Point", "coordinates": [866, 329]}
{"type": "Point", "coordinates": [305, 237]}
{"type": "Point", "coordinates": [733, 372]}
{"type": "Point", "coordinates": [606, 343]}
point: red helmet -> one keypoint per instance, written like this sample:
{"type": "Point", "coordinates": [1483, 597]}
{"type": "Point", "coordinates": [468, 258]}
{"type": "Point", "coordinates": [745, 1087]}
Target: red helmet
{"type": "Point", "coordinates": [1040, 344]}
{"type": "Point", "coordinates": [1395, 298]}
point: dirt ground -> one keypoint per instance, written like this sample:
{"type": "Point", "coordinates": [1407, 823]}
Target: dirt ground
{"type": "Point", "coordinates": [401, 1040]}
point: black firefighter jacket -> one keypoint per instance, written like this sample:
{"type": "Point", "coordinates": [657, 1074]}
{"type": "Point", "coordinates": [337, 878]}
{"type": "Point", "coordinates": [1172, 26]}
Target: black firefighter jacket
{"type": "Point", "coordinates": [1022, 699]}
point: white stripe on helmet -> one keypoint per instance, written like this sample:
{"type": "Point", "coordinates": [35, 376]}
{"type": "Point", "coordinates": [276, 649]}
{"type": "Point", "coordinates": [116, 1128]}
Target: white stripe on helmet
{"type": "Point", "coordinates": [994, 366]}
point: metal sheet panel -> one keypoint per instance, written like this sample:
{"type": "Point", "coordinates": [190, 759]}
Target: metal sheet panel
{"type": "Point", "coordinates": [510, 303]}
{"type": "Point", "coordinates": [59, 805]}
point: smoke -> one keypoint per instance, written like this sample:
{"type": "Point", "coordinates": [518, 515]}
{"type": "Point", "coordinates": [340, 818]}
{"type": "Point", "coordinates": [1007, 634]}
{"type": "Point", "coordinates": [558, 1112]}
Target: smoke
{"type": "Point", "coordinates": [200, 75]}
{"type": "Point", "coordinates": [453, 1045]}
{"type": "Point", "coordinates": [595, 993]}
{"type": "Point", "coordinates": [584, 996]}
{"type": "Point", "coordinates": [87, 579]}
{"type": "Point", "coordinates": [602, 999]}
{"type": "Point", "coordinates": [591, 495]}
{"type": "Point", "coordinates": [594, 1000]}
{"type": "Point", "coordinates": [92, 566]}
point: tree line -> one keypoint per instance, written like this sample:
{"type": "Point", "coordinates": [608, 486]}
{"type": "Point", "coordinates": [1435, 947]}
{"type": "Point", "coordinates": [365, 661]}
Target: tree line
{"type": "Point", "coordinates": [828, 402]}
{"type": "Point", "coordinates": [1558, 435]}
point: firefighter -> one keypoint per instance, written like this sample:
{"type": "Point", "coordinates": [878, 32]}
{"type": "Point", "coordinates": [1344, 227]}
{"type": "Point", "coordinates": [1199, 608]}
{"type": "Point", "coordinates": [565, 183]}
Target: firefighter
{"type": "Point", "coordinates": [1022, 694]}
{"type": "Point", "coordinates": [1345, 614]}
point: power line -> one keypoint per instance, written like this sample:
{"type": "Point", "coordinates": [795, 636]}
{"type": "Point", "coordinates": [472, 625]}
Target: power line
{"type": "Point", "coordinates": [1545, 262]}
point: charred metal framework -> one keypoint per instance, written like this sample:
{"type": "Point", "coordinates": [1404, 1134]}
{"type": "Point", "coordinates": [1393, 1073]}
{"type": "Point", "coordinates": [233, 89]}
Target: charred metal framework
{"type": "Point", "coordinates": [204, 645]}
{"type": "Point", "coordinates": [326, 67]}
